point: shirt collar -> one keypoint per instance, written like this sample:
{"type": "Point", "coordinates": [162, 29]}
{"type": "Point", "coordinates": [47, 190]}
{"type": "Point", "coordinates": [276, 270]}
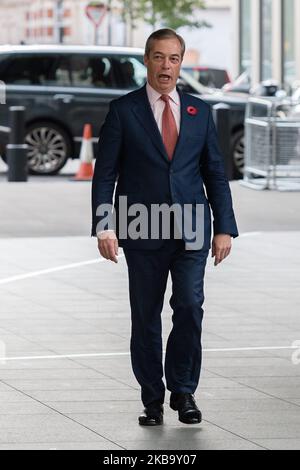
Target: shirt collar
{"type": "Point", "coordinates": [154, 96]}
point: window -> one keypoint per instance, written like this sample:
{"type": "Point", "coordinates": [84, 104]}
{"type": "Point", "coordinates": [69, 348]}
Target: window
{"type": "Point", "coordinates": [92, 71]}
{"type": "Point", "coordinates": [266, 39]}
{"type": "Point", "coordinates": [77, 70]}
{"type": "Point", "coordinates": [288, 42]}
{"type": "Point", "coordinates": [62, 73]}
{"type": "Point", "coordinates": [107, 71]}
{"type": "Point", "coordinates": [130, 72]}
{"type": "Point", "coordinates": [245, 35]}
{"type": "Point", "coordinates": [28, 70]}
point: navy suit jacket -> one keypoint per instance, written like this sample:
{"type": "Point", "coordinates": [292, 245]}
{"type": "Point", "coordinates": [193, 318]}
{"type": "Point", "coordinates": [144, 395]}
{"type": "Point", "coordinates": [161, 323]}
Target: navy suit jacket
{"type": "Point", "coordinates": [131, 152]}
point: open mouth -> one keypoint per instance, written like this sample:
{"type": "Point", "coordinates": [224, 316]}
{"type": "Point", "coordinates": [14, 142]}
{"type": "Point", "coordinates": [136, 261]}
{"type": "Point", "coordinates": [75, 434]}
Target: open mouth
{"type": "Point", "coordinates": [165, 78]}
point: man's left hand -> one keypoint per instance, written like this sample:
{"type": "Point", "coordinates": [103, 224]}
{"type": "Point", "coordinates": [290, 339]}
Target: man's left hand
{"type": "Point", "coordinates": [221, 246]}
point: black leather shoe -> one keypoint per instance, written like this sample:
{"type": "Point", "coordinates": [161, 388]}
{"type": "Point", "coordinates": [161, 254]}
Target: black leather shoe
{"type": "Point", "coordinates": [185, 404]}
{"type": "Point", "coordinates": [152, 415]}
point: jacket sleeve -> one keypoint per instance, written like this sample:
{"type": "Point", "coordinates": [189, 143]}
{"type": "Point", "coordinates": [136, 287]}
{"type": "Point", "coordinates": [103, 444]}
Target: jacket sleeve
{"type": "Point", "coordinates": [216, 184]}
{"type": "Point", "coordinates": [107, 163]}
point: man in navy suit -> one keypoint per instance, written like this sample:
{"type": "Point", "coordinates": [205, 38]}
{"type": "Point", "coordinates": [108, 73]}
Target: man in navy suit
{"type": "Point", "coordinates": [160, 145]}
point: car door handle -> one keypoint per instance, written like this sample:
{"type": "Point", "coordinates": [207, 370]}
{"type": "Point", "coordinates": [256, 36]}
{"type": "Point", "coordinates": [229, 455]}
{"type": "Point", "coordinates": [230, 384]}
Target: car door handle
{"type": "Point", "coordinates": [63, 97]}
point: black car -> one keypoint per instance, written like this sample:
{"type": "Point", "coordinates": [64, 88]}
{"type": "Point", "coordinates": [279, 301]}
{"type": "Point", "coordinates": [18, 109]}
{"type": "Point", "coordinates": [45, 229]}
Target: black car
{"type": "Point", "coordinates": [64, 87]}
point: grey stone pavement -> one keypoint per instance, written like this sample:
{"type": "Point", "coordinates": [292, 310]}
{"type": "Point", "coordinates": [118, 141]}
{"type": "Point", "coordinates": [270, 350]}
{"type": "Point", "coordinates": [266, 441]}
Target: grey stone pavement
{"type": "Point", "coordinates": [65, 374]}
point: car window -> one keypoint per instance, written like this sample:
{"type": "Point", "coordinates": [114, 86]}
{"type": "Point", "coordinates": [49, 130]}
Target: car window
{"type": "Point", "coordinates": [104, 71]}
{"type": "Point", "coordinates": [58, 70]}
{"type": "Point", "coordinates": [220, 78]}
{"type": "Point", "coordinates": [209, 77]}
{"type": "Point", "coordinates": [77, 70]}
{"type": "Point", "coordinates": [28, 70]}
{"type": "Point", "coordinates": [130, 72]}
{"type": "Point", "coordinates": [92, 71]}
{"type": "Point", "coordinates": [62, 73]}
{"type": "Point", "coordinates": [202, 76]}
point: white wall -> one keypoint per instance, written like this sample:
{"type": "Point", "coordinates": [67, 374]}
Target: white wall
{"type": "Point", "coordinates": [215, 44]}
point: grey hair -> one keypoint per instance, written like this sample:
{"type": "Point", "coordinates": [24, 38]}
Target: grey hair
{"type": "Point", "coordinates": [164, 33]}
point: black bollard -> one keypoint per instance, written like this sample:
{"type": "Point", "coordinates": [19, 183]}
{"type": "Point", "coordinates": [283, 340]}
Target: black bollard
{"type": "Point", "coordinates": [16, 150]}
{"type": "Point", "coordinates": [222, 118]}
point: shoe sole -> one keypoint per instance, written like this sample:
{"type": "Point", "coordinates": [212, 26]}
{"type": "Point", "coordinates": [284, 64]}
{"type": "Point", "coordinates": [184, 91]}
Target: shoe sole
{"type": "Point", "coordinates": [151, 423]}
{"type": "Point", "coordinates": [192, 420]}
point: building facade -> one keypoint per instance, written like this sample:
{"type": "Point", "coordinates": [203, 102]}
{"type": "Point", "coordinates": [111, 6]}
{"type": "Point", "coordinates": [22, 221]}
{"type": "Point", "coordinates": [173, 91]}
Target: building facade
{"type": "Point", "coordinates": [58, 21]}
{"type": "Point", "coordinates": [267, 39]}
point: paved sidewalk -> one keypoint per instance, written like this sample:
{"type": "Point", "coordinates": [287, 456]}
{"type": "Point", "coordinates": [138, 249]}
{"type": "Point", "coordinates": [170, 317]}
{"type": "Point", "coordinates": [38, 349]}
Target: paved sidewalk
{"type": "Point", "coordinates": [65, 375]}
{"type": "Point", "coordinates": [57, 206]}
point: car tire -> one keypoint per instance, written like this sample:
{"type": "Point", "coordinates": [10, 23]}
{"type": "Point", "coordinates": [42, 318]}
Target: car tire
{"type": "Point", "coordinates": [238, 153]}
{"type": "Point", "coordinates": [49, 147]}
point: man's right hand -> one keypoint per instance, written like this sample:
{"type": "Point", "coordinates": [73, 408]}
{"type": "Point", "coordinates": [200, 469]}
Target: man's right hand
{"type": "Point", "coordinates": [108, 245]}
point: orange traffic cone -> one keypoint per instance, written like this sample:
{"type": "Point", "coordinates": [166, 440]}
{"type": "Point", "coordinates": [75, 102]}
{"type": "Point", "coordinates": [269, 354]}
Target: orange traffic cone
{"type": "Point", "coordinates": [86, 169]}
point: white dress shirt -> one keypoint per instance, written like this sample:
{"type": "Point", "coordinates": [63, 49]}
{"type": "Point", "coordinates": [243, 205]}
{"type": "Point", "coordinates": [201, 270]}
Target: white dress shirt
{"type": "Point", "coordinates": [158, 105]}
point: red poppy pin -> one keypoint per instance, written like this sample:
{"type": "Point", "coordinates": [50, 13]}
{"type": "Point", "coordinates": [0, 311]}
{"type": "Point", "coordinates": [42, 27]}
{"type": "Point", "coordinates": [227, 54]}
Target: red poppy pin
{"type": "Point", "coordinates": [192, 111]}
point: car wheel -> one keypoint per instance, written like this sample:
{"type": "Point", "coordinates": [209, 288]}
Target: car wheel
{"type": "Point", "coordinates": [49, 147]}
{"type": "Point", "coordinates": [238, 153]}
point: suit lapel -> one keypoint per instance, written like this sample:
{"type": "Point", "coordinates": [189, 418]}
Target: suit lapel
{"type": "Point", "coordinates": [183, 125]}
{"type": "Point", "coordinates": [144, 114]}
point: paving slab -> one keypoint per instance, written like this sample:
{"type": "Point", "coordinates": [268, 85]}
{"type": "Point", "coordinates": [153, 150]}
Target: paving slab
{"type": "Point", "coordinates": [65, 372]}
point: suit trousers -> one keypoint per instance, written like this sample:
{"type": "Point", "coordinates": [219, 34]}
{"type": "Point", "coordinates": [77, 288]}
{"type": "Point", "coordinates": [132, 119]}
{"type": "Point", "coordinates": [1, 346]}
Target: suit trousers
{"type": "Point", "coordinates": [148, 272]}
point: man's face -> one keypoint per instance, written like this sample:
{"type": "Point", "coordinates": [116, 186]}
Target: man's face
{"type": "Point", "coordinates": [163, 64]}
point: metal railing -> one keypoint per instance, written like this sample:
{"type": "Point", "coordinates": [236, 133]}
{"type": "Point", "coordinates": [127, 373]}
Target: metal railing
{"type": "Point", "coordinates": [272, 150]}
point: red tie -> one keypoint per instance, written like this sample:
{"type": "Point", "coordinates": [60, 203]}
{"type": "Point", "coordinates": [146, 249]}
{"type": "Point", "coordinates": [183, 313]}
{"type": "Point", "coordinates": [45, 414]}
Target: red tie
{"type": "Point", "coordinates": [169, 129]}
